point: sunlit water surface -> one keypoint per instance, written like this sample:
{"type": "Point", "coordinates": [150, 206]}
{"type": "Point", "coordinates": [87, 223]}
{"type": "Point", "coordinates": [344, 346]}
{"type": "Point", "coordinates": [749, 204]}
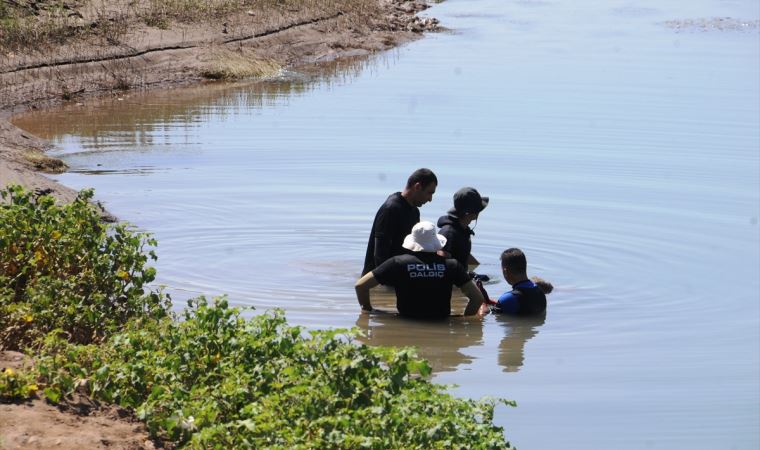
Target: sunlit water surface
{"type": "Point", "coordinates": [619, 143]}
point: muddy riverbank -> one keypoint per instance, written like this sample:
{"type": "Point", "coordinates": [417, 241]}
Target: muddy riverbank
{"type": "Point", "coordinates": [144, 57]}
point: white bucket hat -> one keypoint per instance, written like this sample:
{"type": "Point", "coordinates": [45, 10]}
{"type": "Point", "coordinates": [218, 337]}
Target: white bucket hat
{"type": "Point", "coordinates": [424, 238]}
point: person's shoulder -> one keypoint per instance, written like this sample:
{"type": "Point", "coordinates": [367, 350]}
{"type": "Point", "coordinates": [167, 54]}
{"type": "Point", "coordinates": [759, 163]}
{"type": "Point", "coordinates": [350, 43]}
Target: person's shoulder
{"type": "Point", "coordinates": [455, 265]}
{"type": "Point", "coordinates": [507, 303]}
{"type": "Point", "coordinates": [406, 258]}
{"type": "Point", "coordinates": [508, 296]}
{"type": "Point", "coordinates": [392, 262]}
{"type": "Point", "coordinates": [394, 201]}
{"type": "Point", "coordinates": [530, 288]}
{"type": "Point", "coordinates": [445, 221]}
{"type": "Point", "coordinates": [396, 197]}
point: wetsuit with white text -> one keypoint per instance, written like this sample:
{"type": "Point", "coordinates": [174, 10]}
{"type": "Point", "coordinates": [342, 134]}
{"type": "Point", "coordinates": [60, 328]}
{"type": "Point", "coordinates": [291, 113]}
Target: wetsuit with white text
{"type": "Point", "coordinates": [422, 282]}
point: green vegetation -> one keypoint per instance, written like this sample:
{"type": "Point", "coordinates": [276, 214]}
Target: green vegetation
{"type": "Point", "coordinates": [17, 385]}
{"type": "Point", "coordinates": [212, 378]}
{"type": "Point", "coordinates": [61, 268]}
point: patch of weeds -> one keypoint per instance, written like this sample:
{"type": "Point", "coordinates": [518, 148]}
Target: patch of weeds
{"type": "Point", "coordinates": [122, 83]}
{"type": "Point", "coordinates": [22, 26]}
{"type": "Point", "coordinates": [230, 65]}
{"type": "Point", "coordinates": [17, 385]}
{"type": "Point", "coordinates": [44, 163]}
{"type": "Point", "coordinates": [156, 19]}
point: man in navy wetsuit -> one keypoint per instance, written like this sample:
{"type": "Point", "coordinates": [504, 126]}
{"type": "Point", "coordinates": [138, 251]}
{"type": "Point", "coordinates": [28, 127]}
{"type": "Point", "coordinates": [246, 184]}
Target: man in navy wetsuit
{"type": "Point", "coordinates": [422, 279]}
{"type": "Point", "coordinates": [527, 298]}
{"type": "Point", "coordinates": [396, 217]}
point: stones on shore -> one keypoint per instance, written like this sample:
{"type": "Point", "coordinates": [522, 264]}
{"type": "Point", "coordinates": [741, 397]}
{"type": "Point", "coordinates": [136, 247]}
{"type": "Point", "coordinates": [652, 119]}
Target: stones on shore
{"type": "Point", "coordinates": [414, 24]}
{"type": "Point", "coordinates": [422, 24]}
{"type": "Point", "coordinates": [404, 17]}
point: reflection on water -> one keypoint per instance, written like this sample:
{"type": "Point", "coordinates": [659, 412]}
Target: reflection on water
{"type": "Point", "coordinates": [517, 332]}
{"type": "Point", "coordinates": [146, 119]}
{"type": "Point", "coordinates": [442, 343]}
{"type": "Point", "coordinates": [439, 342]}
{"type": "Point", "coordinates": [131, 171]}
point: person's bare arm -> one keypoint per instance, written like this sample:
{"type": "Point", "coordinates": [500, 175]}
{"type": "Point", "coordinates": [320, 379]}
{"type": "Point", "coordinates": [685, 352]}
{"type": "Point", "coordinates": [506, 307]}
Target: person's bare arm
{"type": "Point", "coordinates": [362, 286]}
{"type": "Point", "coordinates": [475, 298]}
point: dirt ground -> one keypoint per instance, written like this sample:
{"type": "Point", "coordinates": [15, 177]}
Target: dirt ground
{"type": "Point", "coordinates": [78, 423]}
{"type": "Point", "coordinates": [150, 58]}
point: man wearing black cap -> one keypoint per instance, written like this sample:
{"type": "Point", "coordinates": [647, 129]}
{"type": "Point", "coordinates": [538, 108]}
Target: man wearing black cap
{"type": "Point", "coordinates": [455, 225]}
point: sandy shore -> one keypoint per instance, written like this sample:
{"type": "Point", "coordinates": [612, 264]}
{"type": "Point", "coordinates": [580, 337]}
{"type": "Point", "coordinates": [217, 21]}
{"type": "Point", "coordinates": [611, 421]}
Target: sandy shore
{"type": "Point", "coordinates": [148, 58]}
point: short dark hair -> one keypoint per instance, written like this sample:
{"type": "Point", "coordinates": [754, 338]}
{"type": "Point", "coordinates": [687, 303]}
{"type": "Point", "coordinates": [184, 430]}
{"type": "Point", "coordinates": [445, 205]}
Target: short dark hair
{"type": "Point", "coordinates": [514, 260]}
{"type": "Point", "coordinates": [422, 176]}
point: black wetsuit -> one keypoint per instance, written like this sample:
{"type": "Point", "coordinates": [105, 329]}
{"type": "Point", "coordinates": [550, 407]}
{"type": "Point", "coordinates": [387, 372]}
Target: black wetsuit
{"type": "Point", "coordinates": [393, 221]}
{"type": "Point", "coordinates": [422, 282]}
{"type": "Point", "coordinates": [458, 242]}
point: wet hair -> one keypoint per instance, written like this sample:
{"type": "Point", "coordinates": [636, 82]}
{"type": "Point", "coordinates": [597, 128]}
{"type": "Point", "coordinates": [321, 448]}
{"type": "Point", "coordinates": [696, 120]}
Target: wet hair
{"type": "Point", "coordinates": [513, 259]}
{"type": "Point", "coordinates": [422, 176]}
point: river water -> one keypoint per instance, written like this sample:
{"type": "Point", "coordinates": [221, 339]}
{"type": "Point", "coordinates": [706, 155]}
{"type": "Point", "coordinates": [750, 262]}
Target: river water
{"type": "Point", "coordinates": [619, 144]}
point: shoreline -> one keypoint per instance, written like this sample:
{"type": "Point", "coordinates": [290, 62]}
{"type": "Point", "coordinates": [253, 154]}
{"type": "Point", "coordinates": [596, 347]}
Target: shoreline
{"type": "Point", "coordinates": [148, 59]}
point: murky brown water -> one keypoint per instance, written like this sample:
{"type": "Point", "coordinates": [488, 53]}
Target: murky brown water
{"type": "Point", "coordinates": [621, 153]}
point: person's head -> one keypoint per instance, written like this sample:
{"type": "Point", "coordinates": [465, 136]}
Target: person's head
{"type": "Point", "coordinates": [424, 238]}
{"type": "Point", "coordinates": [420, 187]}
{"type": "Point", "coordinates": [467, 205]}
{"type": "Point", "coordinates": [514, 265]}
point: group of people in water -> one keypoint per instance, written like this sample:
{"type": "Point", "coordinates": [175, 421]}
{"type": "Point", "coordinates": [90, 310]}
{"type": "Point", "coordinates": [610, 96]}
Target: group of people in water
{"type": "Point", "coordinates": [423, 264]}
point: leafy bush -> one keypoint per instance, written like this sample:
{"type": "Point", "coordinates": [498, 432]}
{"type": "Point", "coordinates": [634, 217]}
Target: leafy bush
{"type": "Point", "coordinates": [216, 380]}
{"type": "Point", "coordinates": [62, 268]}
{"type": "Point", "coordinates": [16, 385]}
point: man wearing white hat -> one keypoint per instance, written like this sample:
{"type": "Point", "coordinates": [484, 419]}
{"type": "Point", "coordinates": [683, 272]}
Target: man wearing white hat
{"type": "Point", "coordinates": [422, 279]}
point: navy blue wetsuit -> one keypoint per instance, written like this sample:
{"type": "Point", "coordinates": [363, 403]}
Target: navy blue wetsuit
{"type": "Point", "coordinates": [524, 299]}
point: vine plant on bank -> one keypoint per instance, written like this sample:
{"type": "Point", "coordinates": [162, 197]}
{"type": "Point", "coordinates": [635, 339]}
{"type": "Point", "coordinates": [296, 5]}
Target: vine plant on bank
{"type": "Point", "coordinates": [62, 268]}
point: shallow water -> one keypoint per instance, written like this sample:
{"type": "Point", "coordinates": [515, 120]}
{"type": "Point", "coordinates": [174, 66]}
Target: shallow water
{"type": "Point", "coordinates": [620, 146]}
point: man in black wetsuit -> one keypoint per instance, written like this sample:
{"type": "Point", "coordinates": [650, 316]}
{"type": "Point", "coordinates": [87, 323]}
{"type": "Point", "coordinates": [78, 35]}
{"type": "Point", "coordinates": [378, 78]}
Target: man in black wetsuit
{"type": "Point", "coordinates": [455, 225]}
{"type": "Point", "coordinates": [396, 217]}
{"type": "Point", "coordinates": [422, 279]}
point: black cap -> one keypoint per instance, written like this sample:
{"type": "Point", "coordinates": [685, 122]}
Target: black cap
{"type": "Point", "coordinates": [467, 201]}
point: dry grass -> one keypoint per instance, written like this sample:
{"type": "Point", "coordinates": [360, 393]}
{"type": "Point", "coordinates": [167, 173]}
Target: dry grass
{"type": "Point", "coordinates": [22, 26]}
{"type": "Point", "coordinates": [232, 65]}
{"type": "Point", "coordinates": [45, 163]}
